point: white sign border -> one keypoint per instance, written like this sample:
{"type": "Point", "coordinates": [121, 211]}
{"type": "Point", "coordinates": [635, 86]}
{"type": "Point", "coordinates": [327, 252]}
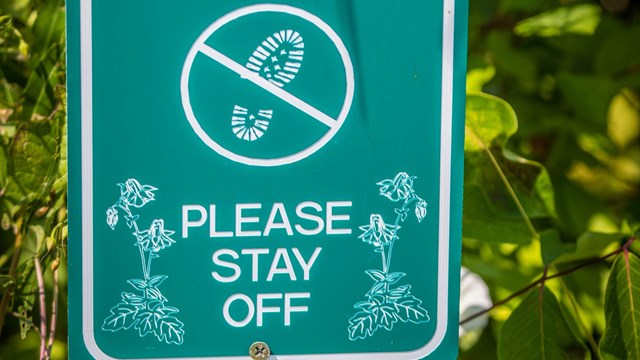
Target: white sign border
{"type": "Point", "coordinates": [86, 69]}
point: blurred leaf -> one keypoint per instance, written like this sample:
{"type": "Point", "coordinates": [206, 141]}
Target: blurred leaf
{"type": "Point", "coordinates": [513, 63]}
{"type": "Point", "coordinates": [621, 339]}
{"type": "Point", "coordinates": [624, 118]}
{"type": "Point", "coordinates": [591, 245]}
{"type": "Point", "coordinates": [49, 26]}
{"type": "Point", "coordinates": [581, 19]}
{"type": "Point", "coordinates": [538, 329]}
{"type": "Point", "coordinates": [478, 78]}
{"type": "Point", "coordinates": [589, 96]}
{"type": "Point", "coordinates": [496, 180]}
{"type": "Point", "coordinates": [39, 93]}
{"type": "Point", "coordinates": [552, 246]}
{"type": "Point", "coordinates": [34, 157]}
{"type": "Point", "coordinates": [617, 47]}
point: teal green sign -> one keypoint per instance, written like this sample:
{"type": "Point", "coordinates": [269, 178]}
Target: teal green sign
{"type": "Point", "coordinates": [287, 173]}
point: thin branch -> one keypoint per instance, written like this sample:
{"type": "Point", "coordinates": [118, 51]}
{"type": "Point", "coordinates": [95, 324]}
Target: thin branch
{"type": "Point", "coordinates": [544, 278]}
{"type": "Point", "coordinates": [54, 312]}
{"type": "Point", "coordinates": [43, 310]}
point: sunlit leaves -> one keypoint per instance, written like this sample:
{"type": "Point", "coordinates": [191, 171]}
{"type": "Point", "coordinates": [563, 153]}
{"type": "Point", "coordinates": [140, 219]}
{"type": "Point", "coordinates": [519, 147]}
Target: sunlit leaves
{"type": "Point", "coordinates": [503, 191]}
{"type": "Point", "coordinates": [537, 329]}
{"type": "Point", "coordinates": [621, 339]}
{"type": "Point", "coordinates": [581, 19]}
{"type": "Point", "coordinates": [624, 118]}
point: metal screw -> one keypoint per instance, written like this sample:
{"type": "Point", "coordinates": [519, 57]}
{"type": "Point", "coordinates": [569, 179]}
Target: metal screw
{"type": "Point", "coordinates": [259, 351]}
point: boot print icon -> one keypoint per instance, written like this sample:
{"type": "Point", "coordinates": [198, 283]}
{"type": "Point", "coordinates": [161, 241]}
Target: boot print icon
{"type": "Point", "coordinates": [277, 59]}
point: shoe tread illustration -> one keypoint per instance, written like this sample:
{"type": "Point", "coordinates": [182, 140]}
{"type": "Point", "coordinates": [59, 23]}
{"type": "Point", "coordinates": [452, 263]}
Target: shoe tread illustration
{"type": "Point", "coordinates": [277, 59]}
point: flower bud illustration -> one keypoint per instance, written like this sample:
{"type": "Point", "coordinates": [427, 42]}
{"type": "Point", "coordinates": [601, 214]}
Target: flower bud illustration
{"type": "Point", "coordinates": [112, 217]}
{"type": "Point", "coordinates": [421, 210]}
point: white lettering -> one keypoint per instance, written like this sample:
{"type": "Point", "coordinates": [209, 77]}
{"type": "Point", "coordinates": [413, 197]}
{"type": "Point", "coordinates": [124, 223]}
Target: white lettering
{"type": "Point", "coordinates": [254, 260]}
{"type": "Point", "coordinates": [246, 220]}
{"type": "Point", "coordinates": [288, 308]}
{"type": "Point", "coordinates": [250, 310]}
{"type": "Point", "coordinates": [306, 265]}
{"type": "Point", "coordinates": [262, 309]}
{"type": "Point", "coordinates": [212, 225]}
{"type": "Point", "coordinates": [236, 269]}
{"type": "Point", "coordinates": [288, 269]}
{"type": "Point", "coordinates": [302, 215]}
{"type": "Point", "coordinates": [186, 224]}
{"type": "Point", "coordinates": [271, 224]}
{"type": "Point", "coordinates": [331, 218]}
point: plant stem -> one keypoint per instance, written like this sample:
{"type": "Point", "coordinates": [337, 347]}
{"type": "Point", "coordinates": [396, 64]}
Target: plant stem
{"type": "Point", "coordinates": [149, 265]}
{"type": "Point", "coordinates": [54, 312]}
{"type": "Point", "coordinates": [592, 342]}
{"type": "Point", "coordinates": [545, 277]}
{"type": "Point", "coordinates": [145, 273]}
{"type": "Point", "coordinates": [385, 268]}
{"type": "Point", "coordinates": [43, 310]}
{"type": "Point", "coordinates": [144, 266]}
{"type": "Point", "coordinates": [506, 183]}
{"type": "Point", "coordinates": [398, 219]}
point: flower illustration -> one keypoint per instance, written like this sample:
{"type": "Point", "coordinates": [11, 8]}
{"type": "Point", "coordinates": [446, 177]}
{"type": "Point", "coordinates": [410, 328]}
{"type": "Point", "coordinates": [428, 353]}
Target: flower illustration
{"type": "Point", "coordinates": [134, 194]}
{"type": "Point", "coordinates": [421, 210]}
{"type": "Point", "coordinates": [400, 188]}
{"type": "Point", "coordinates": [156, 238]}
{"type": "Point", "coordinates": [378, 233]}
{"type": "Point", "coordinates": [112, 217]}
{"type": "Point", "coordinates": [386, 303]}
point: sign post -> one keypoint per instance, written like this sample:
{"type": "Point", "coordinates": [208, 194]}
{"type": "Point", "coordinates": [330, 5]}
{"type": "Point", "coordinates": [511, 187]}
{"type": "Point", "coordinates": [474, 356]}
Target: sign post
{"type": "Point", "coordinates": [265, 179]}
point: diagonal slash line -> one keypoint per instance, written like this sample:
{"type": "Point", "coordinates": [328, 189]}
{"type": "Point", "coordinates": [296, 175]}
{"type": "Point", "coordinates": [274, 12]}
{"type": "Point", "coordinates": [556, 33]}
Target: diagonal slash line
{"type": "Point", "coordinates": [261, 82]}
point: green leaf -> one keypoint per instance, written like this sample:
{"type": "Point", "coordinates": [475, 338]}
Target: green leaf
{"type": "Point", "coordinates": [589, 96]}
{"type": "Point", "coordinates": [34, 158]}
{"type": "Point", "coordinates": [621, 339]}
{"type": "Point", "coordinates": [552, 246]}
{"type": "Point", "coordinates": [503, 192]}
{"type": "Point", "coordinates": [49, 26]}
{"type": "Point", "coordinates": [580, 19]}
{"type": "Point", "coordinates": [537, 329]}
{"type": "Point", "coordinates": [478, 78]}
{"type": "Point", "coordinates": [590, 245]}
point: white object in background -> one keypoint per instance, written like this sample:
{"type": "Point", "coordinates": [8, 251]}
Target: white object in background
{"type": "Point", "coordinates": [474, 297]}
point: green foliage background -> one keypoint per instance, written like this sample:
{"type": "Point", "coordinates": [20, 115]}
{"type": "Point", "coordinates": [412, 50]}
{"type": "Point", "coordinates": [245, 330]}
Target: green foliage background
{"type": "Point", "coordinates": [552, 176]}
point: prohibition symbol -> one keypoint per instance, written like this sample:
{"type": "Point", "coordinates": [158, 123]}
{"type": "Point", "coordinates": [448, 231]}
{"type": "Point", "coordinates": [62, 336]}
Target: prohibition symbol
{"type": "Point", "coordinates": [270, 68]}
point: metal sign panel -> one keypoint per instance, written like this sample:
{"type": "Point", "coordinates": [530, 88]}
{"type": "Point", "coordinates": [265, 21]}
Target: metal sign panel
{"type": "Point", "coordinates": [283, 173]}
